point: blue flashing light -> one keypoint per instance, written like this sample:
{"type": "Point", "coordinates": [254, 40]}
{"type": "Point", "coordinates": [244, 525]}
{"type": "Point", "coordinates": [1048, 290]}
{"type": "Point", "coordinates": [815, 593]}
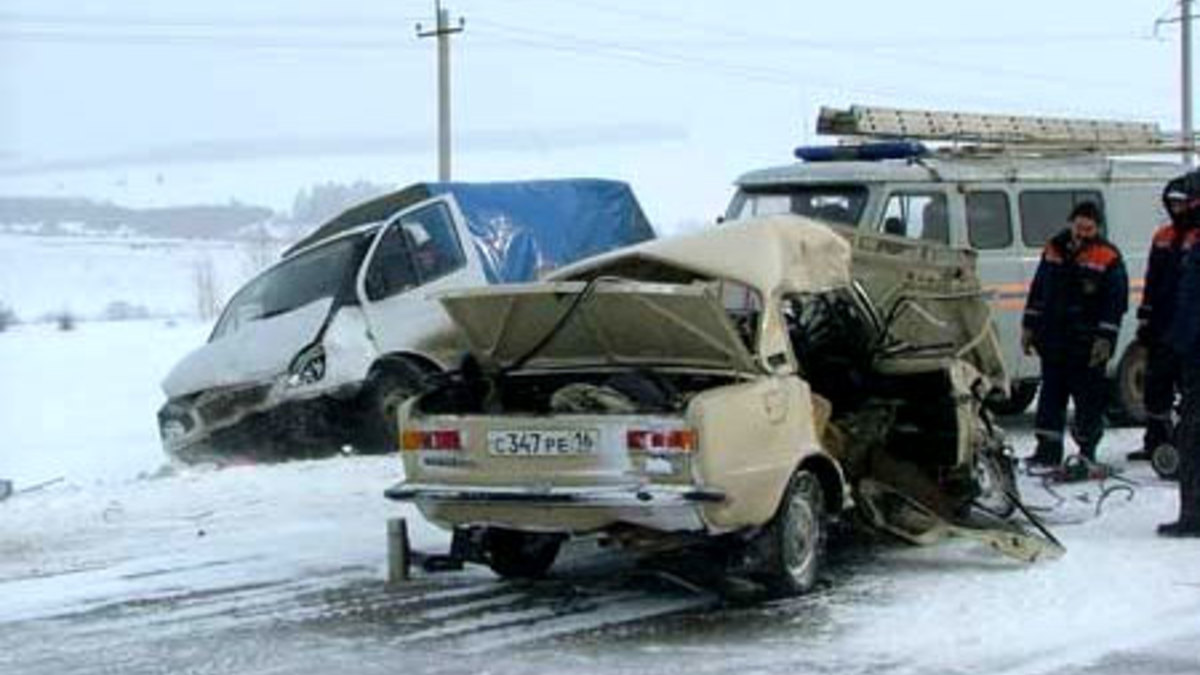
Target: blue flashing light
{"type": "Point", "coordinates": [868, 152]}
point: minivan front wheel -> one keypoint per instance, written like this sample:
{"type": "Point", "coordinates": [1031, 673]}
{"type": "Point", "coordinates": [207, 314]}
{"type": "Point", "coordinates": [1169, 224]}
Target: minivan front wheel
{"type": "Point", "coordinates": [385, 392]}
{"type": "Point", "coordinates": [797, 536]}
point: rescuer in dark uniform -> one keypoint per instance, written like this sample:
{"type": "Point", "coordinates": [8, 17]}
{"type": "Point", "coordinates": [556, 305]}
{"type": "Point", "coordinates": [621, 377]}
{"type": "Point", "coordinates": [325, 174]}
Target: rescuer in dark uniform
{"type": "Point", "coordinates": [1183, 336]}
{"type": "Point", "coordinates": [1072, 316]}
{"type": "Point", "coordinates": [1163, 266]}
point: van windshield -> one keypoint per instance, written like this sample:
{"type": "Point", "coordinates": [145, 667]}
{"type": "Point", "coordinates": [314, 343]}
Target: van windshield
{"type": "Point", "coordinates": [841, 204]}
{"type": "Point", "coordinates": [294, 283]}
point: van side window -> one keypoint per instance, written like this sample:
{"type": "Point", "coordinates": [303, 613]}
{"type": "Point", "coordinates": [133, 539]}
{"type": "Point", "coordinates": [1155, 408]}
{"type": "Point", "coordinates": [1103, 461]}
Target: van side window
{"type": "Point", "coordinates": [416, 249]}
{"type": "Point", "coordinates": [433, 241]}
{"type": "Point", "coordinates": [391, 270]}
{"type": "Point", "coordinates": [1044, 212]}
{"type": "Point", "coordinates": [989, 222]}
{"type": "Point", "coordinates": [917, 216]}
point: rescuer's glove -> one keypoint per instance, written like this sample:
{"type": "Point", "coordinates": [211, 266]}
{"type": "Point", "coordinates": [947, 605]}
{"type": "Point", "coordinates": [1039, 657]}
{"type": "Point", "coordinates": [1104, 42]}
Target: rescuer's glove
{"type": "Point", "coordinates": [1027, 341]}
{"type": "Point", "coordinates": [1102, 349]}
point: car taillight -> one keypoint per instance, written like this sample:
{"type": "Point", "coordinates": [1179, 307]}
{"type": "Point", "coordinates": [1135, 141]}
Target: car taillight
{"type": "Point", "coordinates": [435, 439]}
{"type": "Point", "coordinates": [661, 440]}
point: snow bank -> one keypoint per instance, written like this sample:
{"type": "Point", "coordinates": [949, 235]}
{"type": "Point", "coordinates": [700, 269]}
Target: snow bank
{"type": "Point", "coordinates": [81, 404]}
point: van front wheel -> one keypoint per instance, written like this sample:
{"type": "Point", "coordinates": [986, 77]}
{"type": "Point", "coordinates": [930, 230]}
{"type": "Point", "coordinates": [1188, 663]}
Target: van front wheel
{"type": "Point", "coordinates": [1128, 401]}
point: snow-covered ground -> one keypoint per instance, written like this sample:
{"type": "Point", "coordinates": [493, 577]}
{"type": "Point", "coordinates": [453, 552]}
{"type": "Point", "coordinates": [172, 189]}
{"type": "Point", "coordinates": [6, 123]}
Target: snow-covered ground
{"type": "Point", "coordinates": [84, 275]}
{"type": "Point", "coordinates": [123, 568]}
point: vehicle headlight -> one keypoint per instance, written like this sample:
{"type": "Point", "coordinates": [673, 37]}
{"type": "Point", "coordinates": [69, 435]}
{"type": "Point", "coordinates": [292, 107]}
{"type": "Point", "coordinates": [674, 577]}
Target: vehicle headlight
{"type": "Point", "coordinates": [307, 368]}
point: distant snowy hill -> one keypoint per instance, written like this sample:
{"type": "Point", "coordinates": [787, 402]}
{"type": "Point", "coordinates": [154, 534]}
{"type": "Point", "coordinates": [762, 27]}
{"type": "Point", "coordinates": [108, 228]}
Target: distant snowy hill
{"type": "Point", "coordinates": [96, 277]}
{"type": "Point", "coordinates": [59, 216]}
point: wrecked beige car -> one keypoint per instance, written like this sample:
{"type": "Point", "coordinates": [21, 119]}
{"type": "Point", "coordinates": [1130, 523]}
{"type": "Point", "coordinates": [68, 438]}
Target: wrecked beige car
{"type": "Point", "coordinates": [733, 389]}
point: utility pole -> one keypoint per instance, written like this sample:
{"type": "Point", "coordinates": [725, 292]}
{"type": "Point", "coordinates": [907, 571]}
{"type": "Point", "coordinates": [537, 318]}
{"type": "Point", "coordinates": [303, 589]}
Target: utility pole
{"type": "Point", "coordinates": [442, 32]}
{"type": "Point", "coordinates": [1185, 54]}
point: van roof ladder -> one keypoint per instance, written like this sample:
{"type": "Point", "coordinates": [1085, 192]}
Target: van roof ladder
{"type": "Point", "coordinates": [1020, 132]}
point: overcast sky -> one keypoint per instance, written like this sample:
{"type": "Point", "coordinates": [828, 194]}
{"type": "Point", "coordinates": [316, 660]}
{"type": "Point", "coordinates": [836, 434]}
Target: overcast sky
{"type": "Point", "coordinates": [189, 101]}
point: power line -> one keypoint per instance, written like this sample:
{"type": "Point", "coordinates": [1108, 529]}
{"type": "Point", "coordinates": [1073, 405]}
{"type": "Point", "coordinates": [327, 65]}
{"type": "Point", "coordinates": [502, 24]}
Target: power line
{"type": "Point", "coordinates": [256, 22]}
{"type": "Point", "coordinates": [639, 50]}
{"type": "Point", "coordinates": [244, 41]}
{"type": "Point", "coordinates": [890, 42]}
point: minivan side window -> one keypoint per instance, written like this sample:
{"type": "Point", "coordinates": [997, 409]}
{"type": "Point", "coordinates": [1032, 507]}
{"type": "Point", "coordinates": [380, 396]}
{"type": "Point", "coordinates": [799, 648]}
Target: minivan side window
{"type": "Point", "coordinates": [917, 216]}
{"type": "Point", "coordinates": [989, 222]}
{"type": "Point", "coordinates": [433, 241]}
{"type": "Point", "coordinates": [1044, 212]}
{"type": "Point", "coordinates": [417, 248]}
{"type": "Point", "coordinates": [391, 270]}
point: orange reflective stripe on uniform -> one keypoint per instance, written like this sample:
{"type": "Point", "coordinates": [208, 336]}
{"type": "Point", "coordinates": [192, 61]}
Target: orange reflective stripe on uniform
{"type": "Point", "coordinates": [1011, 296]}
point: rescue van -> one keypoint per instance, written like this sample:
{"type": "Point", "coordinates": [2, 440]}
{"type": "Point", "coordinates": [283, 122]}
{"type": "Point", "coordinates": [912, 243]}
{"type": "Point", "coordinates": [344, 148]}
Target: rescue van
{"type": "Point", "coordinates": [996, 184]}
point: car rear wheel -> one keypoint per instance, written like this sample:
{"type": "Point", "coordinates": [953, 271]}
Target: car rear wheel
{"type": "Point", "coordinates": [797, 536]}
{"type": "Point", "coordinates": [520, 555]}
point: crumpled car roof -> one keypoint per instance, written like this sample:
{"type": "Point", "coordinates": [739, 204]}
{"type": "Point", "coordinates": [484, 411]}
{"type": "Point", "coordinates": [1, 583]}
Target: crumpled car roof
{"type": "Point", "coordinates": [774, 254]}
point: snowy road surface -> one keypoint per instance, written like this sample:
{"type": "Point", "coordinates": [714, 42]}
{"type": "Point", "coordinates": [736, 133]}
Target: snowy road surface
{"type": "Point", "coordinates": [279, 569]}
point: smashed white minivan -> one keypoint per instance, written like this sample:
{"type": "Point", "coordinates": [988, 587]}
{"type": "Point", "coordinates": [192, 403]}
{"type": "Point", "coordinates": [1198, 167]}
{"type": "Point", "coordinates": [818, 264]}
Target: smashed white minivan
{"type": "Point", "coordinates": [315, 353]}
{"type": "Point", "coordinates": [732, 390]}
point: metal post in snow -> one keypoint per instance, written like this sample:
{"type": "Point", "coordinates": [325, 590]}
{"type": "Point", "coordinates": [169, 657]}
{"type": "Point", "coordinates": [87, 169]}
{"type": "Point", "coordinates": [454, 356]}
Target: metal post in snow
{"type": "Point", "coordinates": [398, 552]}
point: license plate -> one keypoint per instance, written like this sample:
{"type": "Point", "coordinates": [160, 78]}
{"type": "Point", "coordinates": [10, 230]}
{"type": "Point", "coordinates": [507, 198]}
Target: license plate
{"type": "Point", "coordinates": [545, 443]}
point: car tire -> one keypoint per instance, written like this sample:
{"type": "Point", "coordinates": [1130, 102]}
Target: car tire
{"type": "Point", "coordinates": [797, 537]}
{"type": "Point", "coordinates": [1020, 396]}
{"type": "Point", "coordinates": [384, 393]}
{"type": "Point", "coordinates": [1128, 405]}
{"type": "Point", "coordinates": [520, 555]}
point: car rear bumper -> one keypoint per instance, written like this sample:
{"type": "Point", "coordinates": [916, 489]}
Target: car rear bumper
{"type": "Point", "coordinates": [570, 510]}
{"type": "Point", "coordinates": [615, 496]}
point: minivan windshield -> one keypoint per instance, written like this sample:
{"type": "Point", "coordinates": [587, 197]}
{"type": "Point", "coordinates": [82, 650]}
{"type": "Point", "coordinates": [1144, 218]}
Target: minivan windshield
{"type": "Point", "coordinates": [841, 204]}
{"type": "Point", "coordinates": [300, 280]}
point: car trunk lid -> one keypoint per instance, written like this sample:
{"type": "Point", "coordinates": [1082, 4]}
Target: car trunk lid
{"type": "Point", "coordinates": [606, 322]}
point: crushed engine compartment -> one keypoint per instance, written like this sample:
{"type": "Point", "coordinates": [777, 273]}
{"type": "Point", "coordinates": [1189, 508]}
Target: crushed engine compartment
{"type": "Point", "coordinates": [620, 391]}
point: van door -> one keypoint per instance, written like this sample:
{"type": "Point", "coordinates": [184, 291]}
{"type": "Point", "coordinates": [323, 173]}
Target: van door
{"type": "Point", "coordinates": [1002, 270]}
{"type": "Point", "coordinates": [422, 250]}
{"type": "Point", "coordinates": [919, 212]}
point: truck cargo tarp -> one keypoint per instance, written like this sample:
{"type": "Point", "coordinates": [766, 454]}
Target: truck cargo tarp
{"type": "Point", "coordinates": [521, 229]}
{"type": "Point", "coordinates": [524, 229]}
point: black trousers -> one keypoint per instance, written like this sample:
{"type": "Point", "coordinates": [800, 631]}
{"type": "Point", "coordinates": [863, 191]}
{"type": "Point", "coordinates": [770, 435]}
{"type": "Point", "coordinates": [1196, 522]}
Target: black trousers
{"type": "Point", "coordinates": [1065, 379]}
{"type": "Point", "coordinates": [1187, 441]}
{"type": "Point", "coordinates": [1162, 379]}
